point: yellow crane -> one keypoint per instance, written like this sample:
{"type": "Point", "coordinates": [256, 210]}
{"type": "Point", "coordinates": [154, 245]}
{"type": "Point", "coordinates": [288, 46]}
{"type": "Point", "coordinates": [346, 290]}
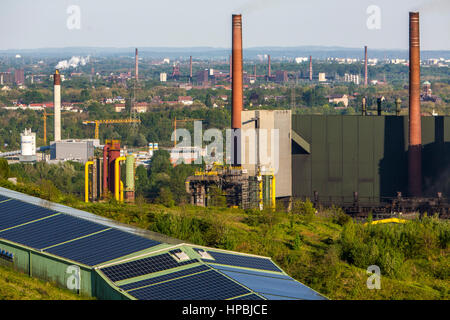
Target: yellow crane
{"type": "Point", "coordinates": [175, 127]}
{"type": "Point", "coordinates": [99, 122]}
{"type": "Point", "coordinates": [44, 116]}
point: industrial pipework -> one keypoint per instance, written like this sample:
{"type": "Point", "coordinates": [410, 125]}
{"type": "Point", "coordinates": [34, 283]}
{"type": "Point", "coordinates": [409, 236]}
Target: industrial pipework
{"type": "Point", "coordinates": [129, 180]}
{"type": "Point", "coordinates": [117, 177]}
{"type": "Point", "coordinates": [415, 131]}
{"type": "Point", "coordinates": [86, 180]}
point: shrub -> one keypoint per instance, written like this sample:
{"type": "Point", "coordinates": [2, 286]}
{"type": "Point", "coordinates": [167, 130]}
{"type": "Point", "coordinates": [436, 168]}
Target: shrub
{"type": "Point", "coordinates": [305, 209]}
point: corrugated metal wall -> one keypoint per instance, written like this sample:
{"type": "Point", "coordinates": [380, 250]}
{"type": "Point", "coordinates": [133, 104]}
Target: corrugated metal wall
{"type": "Point", "coordinates": [367, 155]}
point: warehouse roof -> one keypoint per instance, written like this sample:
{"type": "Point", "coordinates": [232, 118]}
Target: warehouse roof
{"type": "Point", "coordinates": [138, 263]}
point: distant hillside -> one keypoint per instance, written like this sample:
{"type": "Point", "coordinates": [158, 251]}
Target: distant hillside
{"type": "Point", "coordinates": [318, 52]}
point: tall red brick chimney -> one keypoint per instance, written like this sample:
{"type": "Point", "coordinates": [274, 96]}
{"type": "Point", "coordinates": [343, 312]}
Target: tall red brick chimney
{"type": "Point", "coordinates": [237, 86]}
{"type": "Point", "coordinates": [415, 132]}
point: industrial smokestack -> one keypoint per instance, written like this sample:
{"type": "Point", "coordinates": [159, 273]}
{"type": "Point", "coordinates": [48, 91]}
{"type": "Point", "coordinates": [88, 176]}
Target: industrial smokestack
{"type": "Point", "coordinates": [310, 69]}
{"type": "Point", "coordinates": [57, 104]}
{"type": "Point", "coordinates": [190, 67]}
{"type": "Point", "coordinates": [365, 67]}
{"type": "Point", "coordinates": [415, 132]}
{"type": "Point", "coordinates": [270, 70]}
{"type": "Point", "coordinates": [136, 67]}
{"type": "Point", "coordinates": [237, 87]}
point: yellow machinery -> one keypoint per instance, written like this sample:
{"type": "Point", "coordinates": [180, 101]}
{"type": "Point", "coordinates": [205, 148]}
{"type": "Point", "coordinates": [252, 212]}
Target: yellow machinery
{"type": "Point", "coordinates": [175, 128]}
{"type": "Point", "coordinates": [99, 122]}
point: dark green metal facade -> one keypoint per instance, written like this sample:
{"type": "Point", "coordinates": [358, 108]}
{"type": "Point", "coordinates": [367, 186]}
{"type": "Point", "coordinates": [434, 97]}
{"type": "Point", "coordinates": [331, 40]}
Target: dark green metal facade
{"type": "Point", "coordinates": [368, 155]}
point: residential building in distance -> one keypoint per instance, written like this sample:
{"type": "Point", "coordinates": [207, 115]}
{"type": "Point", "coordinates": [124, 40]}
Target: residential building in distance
{"type": "Point", "coordinates": [19, 77]}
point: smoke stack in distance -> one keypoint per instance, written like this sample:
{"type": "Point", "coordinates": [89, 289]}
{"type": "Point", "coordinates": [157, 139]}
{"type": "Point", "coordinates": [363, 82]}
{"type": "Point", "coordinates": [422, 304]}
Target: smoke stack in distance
{"type": "Point", "coordinates": [415, 131]}
{"type": "Point", "coordinates": [136, 67]}
{"type": "Point", "coordinates": [57, 104]}
{"type": "Point", "coordinates": [365, 67]}
{"type": "Point", "coordinates": [310, 69]}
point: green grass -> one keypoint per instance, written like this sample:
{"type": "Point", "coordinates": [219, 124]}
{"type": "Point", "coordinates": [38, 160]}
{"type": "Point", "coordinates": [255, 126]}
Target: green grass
{"type": "Point", "coordinates": [18, 286]}
{"type": "Point", "coordinates": [327, 251]}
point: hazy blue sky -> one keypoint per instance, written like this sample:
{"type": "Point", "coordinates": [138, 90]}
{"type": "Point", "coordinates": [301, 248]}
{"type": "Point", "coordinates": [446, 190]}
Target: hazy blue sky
{"type": "Point", "coordinates": [182, 23]}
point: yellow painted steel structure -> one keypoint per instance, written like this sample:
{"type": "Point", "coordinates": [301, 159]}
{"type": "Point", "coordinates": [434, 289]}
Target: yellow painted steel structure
{"type": "Point", "coordinates": [117, 177]}
{"type": "Point", "coordinates": [121, 191]}
{"type": "Point", "coordinates": [390, 220]}
{"type": "Point", "coordinates": [273, 193]}
{"type": "Point", "coordinates": [99, 122]}
{"type": "Point", "coordinates": [86, 180]}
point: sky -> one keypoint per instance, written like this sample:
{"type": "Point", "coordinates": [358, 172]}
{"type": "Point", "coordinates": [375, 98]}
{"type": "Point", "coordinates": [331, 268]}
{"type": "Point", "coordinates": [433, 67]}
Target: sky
{"type": "Point", "coordinates": [31, 24]}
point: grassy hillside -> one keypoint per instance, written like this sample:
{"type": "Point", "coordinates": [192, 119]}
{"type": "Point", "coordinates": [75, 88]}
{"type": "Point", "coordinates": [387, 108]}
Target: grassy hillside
{"type": "Point", "coordinates": [18, 286]}
{"type": "Point", "coordinates": [326, 250]}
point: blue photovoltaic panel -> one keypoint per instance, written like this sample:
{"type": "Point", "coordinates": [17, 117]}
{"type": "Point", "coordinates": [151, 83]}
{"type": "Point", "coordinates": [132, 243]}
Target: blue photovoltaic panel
{"type": "Point", "coordinates": [14, 212]}
{"type": "Point", "coordinates": [102, 247]}
{"type": "Point", "coordinates": [241, 261]}
{"type": "Point", "coordinates": [251, 272]}
{"type": "Point", "coordinates": [51, 231]}
{"type": "Point", "coordinates": [3, 198]}
{"type": "Point", "coordinates": [209, 285]}
{"type": "Point", "coordinates": [276, 287]}
{"type": "Point", "coordinates": [165, 277]}
{"type": "Point", "coordinates": [249, 297]}
{"type": "Point", "coordinates": [143, 266]}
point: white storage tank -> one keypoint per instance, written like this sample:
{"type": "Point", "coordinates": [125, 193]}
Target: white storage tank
{"type": "Point", "coordinates": [28, 143]}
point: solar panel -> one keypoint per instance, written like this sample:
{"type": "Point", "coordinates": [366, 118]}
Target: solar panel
{"type": "Point", "coordinates": [3, 198]}
{"type": "Point", "coordinates": [251, 272]}
{"type": "Point", "coordinates": [143, 266]}
{"type": "Point", "coordinates": [102, 247]}
{"type": "Point", "coordinates": [241, 261]}
{"type": "Point", "coordinates": [275, 287]}
{"type": "Point", "coordinates": [51, 231]}
{"type": "Point", "coordinates": [165, 277]}
{"type": "Point", "coordinates": [249, 297]}
{"type": "Point", "coordinates": [14, 212]}
{"type": "Point", "coordinates": [209, 285]}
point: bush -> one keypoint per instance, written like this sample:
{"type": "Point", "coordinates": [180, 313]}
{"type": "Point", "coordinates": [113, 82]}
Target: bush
{"type": "Point", "coordinates": [305, 209]}
{"type": "Point", "coordinates": [339, 216]}
{"type": "Point", "coordinates": [4, 169]}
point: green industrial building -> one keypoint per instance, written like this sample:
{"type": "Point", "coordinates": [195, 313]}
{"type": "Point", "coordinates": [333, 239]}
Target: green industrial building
{"type": "Point", "coordinates": [337, 155]}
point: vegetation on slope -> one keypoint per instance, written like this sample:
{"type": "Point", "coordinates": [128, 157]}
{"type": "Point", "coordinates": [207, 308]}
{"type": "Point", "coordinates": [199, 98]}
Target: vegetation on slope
{"type": "Point", "coordinates": [18, 286]}
{"type": "Point", "coordinates": [326, 250]}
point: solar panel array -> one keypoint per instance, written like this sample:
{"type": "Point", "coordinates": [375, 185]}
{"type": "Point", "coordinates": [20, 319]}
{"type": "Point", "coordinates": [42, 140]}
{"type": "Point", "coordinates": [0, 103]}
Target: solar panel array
{"type": "Point", "coordinates": [51, 231]}
{"type": "Point", "coordinates": [208, 285]}
{"type": "Point", "coordinates": [143, 266]}
{"type": "Point", "coordinates": [173, 275]}
{"type": "Point", "coordinates": [14, 213]}
{"type": "Point", "coordinates": [102, 247]}
{"type": "Point", "coordinates": [64, 235]}
{"type": "Point", "coordinates": [241, 261]}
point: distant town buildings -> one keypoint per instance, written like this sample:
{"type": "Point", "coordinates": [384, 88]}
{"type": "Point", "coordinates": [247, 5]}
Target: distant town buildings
{"type": "Point", "coordinates": [355, 78]}
{"type": "Point", "coordinates": [322, 77]}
